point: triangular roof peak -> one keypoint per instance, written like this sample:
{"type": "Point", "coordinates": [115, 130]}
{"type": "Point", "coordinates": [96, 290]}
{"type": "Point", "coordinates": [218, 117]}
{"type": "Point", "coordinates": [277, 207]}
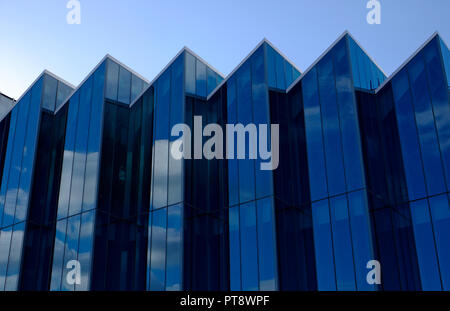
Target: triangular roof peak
{"type": "Point", "coordinates": [434, 35]}
{"type": "Point", "coordinates": [264, 40]}
{"type": "Point", "coordinates": [183, 49]}
{"type": "Point", "coordinates": [318, 60]}
{"type": "Point", "coordinates": [40, 76]}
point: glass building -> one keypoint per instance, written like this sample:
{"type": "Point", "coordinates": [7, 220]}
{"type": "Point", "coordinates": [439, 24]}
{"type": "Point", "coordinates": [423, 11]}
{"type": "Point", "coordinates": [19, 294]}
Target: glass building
{"type": "Point", "coordinates": [89, 182]}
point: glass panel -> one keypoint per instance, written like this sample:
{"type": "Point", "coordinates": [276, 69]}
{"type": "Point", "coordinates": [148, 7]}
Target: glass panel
{"type": "Point", "coordinates": [425, 246]}
{"type": "Point", "coordinates": [174, 248]}
{"type": "Point", "coordinates": [361, 236]}
{"type": "Point", "coordinates": [161, 143]}
{"type": "Point", "coordinates": [233, 173]}
{"type": "Point", "coordinates": [323, 245]}
{"type": "Point", "coordinates": [49, 96]}
{"type": "Point", "coordinates": [271, 72]}
{"type": "Point", "coordinates": [342, 242]}
{"type": "Point", "coordinates": [63, 93]}
{"type": "Point", "coordinates": [267, 249]}
{"type": "Point", "coordinates": [439, 95]}
{"type": "Point", "coordinates": [446, 57]}
{"type": "Point", "coordinates": [235, 249]}
{"type": "Point", "coordinates": [425, 125]}
{"type": "Point", "coordinates": [69, 152]}
{"type": "Point", "coordinates": [351, 141]}
{"type": "Point", "coordinates": [331, 131]}
{"type": "Point", "coordinates": [85, 249]}
{"type": "Point", "coordinates": [58, 255]}
{"type": "Point", "coordinates": [124, 86]}
{"type": "Point", "coordinates": [201, 79]}
{"type": "Point", "coordinates": [355, 63]}
{"type": "Point", "coordinates": [281, 79]}
{"type": "Point", "coordinates": [212, 81]}
{"type": "Point", "coordinates": [137, 86]}
{"type": "Point", "coordinates": [313, 129]}
{"type": "Point", "coordinates": [158, 251]}
{"type": "Point", "coordinates": [244, 113]}
{"type": "Point", "coordinates": [7, 163]}
{"type": "Point", "coordinates": [94, 144]}
{"type": "Point", "coordinates": [408, 137]}
{"type": "Point", "coordinates": [440, 214]}
{"type": "Point", "coordinates": [79, 161]}
{"type": "Point", "coordinates": [249, 252]}
{"type": "Point", "coordinates": [28, 154]}
{"type": "Point", "coordinates": [261, 114]}
{"type": "Point", "coordinates": [190, 79]}
{"type": "Point", "coordinates": [15, 255]}
{"type": "Point", "coordinates": [176, 176]}
{"type": "Point", "coordinates": [112, 80]}
{"type": "Point", "coordinates": [71, 249]}
{"type": "Point", "coordinates": [5, 243]}
{"type": "Point", "coordinates": [16, 160]}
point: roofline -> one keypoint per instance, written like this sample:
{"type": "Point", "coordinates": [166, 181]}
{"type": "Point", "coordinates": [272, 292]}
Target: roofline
{"type": "Point", "coordinates": [23, 94]}
{"type": "Point", "coordinates": [127, 68]}
{"type": "Point", "coordinates": [317, 60]}
{"type": "Point", "coordinates": [10, 98]}
{"type": "Point", "coordinates": [282, 54]}
{"type": "Point", "coordinates": [183, 49]}
{"type": "Point", "coordinates": [264, 40]}
{"type": "Point", "coordinates": [403, 65]}
{"type": "Point", "coordinates": [203, 61]}
{"type": "Point", "coordinates": [236, 68]}
{"type": "Point", "coordinates": [158, 76]}
{"type": "Point", "coordinates": [368, 55]}
{"type": "Point", "coordinates": [82, 82]}
{"type": "Point", "coordinates": [51, 74]}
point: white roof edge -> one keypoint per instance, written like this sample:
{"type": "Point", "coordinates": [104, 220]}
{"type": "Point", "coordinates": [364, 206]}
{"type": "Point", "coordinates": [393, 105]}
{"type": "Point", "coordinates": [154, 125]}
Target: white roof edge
{"type": "Point", "coordinates": [368, 55]}
{"type": "Point", "coordinates": [127, 68]}
{"type": "Point", "coordinates": [204, 61]}
{"type": "Point", "coordinates": [236, 68]}
{"type": "Point", "coordinates": [317, 60]}
{"type": "Point", "coordinates": [403, 65]}
{"type": "Point", "coordinates": [51, 74]}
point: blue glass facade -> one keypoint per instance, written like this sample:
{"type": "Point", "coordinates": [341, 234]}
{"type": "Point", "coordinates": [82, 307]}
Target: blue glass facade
{"type": "Point", "coordinates": [87, 174]}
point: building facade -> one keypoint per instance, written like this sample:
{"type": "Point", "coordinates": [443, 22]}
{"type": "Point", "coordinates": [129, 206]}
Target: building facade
{"type": "Point", "coordinates": [90, 187]}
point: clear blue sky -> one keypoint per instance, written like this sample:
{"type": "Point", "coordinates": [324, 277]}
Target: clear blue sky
{"type": "Point", "coordinates": [146, 34]}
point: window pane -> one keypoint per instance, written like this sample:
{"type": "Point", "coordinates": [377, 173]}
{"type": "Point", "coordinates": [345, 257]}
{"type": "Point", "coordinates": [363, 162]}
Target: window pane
{"type": "Point", "coordinates": [331, 130]}
{"type": "Point", "coordinates": [190, 73]}
{"type": "Point", "coordinates": [313, 129]}
{"type": "Point", "coordinates": [425, 246]}
{"type": "Point", "coordinates": [323, 246]}
{"type": "Point", "coordinates": [158, 251]}
{"type": "Point", "coordinates": [249, 254]}
{"type": "Point", "coordinates": [112, 80]}
{"type": "Point", "coordinates": [124, 86]}
{"type": "Point", "coordinates": [174, 248]}
{"type": "Point", "coordinates": [267, 250]}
